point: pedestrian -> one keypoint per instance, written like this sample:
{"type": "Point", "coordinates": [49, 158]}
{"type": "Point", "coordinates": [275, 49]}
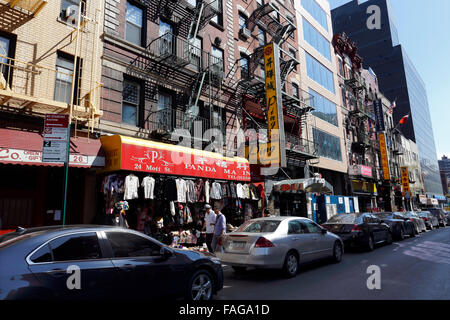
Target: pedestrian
{"type": "Point", "coordinates": [118, 219]}
{"type": "Point", "coordinates": [219, 228]}
{"type": "Point", "coordinates": [208, 226]}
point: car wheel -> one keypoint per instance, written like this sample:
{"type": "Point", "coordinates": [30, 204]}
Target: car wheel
{"type": "Point", "coordinates": [402, 234]}
{"type": "Point", "coordinates": [290, 266]}
{"type": "Point", "coordinates": [239, 269]}
{"type": "Point", "coordinates": [200, 286]}
{"type": "Point", "coordinates": [370, 244]}
{"type": "Point", "coordinates": [337, 252]}
{"type": "Point", "coordinates": [431, 227]}
{"type": "Point", "coordinates": [389, 237]}
{"type": "Point", "coordinates": [413, 233]}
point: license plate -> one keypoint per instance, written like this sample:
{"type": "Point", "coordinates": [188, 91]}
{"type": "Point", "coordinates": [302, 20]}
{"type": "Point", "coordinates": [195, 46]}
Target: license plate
{"type": "Point", "coordinates": [236, 245]}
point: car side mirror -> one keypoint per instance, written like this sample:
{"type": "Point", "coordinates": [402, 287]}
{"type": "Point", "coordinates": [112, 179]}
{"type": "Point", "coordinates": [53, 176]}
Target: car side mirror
{"type": "Point", "coordinates": [165, 253]}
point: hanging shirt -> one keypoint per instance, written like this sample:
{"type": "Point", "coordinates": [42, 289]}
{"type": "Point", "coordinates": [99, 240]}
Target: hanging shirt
{"type": "Point", "coordinates": [149, 186]}
{"type": "Point", "coordinates": [216, 191]}
{"type": "Point", "coordinates": [246, 189]}
{"type": "Point", "coordinates": [190, 191]}
{"type": "Point", "coordinates": [207, 187]}
{"type": "Point", "coordinates": [233, 194]}
{"type": "Point", "coordinates": [181, 190]}
{"type": "Point", "coordinates": [131, 187]}
{"type": "Point", "coordinates": [199, 188]}
{"type": "Point", "coordinates": [240, 191]}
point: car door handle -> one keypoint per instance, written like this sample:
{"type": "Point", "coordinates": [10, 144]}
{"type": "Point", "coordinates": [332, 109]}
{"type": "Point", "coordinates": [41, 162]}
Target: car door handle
{"type": "Point", "coordinates": [295, 239]}
{"type": "Point", "coordinates": [127, 267]}
{"type": "Point", "coordinates": [57, 272]}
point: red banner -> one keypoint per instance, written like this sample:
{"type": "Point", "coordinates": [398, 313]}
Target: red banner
{"type": "Point", "coordinates": [147, 159]}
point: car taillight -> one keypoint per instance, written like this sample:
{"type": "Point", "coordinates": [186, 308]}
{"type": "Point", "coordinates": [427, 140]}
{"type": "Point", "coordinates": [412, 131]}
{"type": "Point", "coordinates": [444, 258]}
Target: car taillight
{"type": "Point", "coordinates": [425, 219]}
{"type": "Point", "coordinates": [263, 243]}
{"type": "Point", "coordinates": [357, 228]}
{"type": "Point", "coordinates": [411, 219]}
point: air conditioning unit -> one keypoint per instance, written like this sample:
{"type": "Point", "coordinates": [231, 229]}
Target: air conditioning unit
{"type": "Point", "coordinates": [245, 33]}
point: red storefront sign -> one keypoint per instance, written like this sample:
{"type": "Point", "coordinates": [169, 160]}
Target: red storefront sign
{"type": "Point", "coordinates": [124, 153]}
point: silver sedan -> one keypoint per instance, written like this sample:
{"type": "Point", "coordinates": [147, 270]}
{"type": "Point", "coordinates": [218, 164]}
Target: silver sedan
{"type": "Point", "coordinates": [278, 242]}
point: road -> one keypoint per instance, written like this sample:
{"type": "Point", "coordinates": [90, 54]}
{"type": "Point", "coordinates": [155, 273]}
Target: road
{"type": "Point", "coordinates": [415, 268]}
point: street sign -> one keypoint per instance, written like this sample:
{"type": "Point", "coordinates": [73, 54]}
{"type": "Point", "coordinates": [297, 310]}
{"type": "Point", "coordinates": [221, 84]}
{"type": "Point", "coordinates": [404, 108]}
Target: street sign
{"type": "Point", "coordinates": [56, 135]}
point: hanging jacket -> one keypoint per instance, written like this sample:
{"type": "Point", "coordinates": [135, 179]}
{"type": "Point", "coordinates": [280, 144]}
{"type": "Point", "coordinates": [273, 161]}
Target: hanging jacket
{"type": "Point", "coordinates": [170, 190]}
{"type": "Point", "coordinates": [216, 191]}
{"type": "Point", "coordinates": [199, 188]}
{"type": "Point", "coordinates": [233, 194]}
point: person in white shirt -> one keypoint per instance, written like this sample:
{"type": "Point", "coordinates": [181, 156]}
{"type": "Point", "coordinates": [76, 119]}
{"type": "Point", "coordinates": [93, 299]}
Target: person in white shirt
{"type": "Point", "coordinates": [208, 226]}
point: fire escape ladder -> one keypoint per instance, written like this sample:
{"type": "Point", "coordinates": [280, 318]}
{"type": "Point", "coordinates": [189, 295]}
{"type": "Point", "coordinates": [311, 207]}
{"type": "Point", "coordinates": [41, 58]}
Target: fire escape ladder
{"type": "Point", "coordinates": [286, 67]}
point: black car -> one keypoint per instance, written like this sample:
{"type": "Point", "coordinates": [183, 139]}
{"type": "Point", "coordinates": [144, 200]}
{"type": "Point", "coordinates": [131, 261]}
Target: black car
{"type": "Point", "coordinates": [359, 229]}
{"type": "Point", "coordinates": [399, 225]}
{"type": "Point", "coordinates": [100, 262]}
{"type": "Point", "coordinates": [440, 215]}
{"type": "Point", "coordinates": [416, 219]}
{"type": "Point", "coordinates": [430, 220]}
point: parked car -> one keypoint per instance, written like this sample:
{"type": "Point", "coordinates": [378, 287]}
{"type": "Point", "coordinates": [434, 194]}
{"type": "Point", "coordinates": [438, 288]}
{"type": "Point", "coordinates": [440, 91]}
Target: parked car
{"type": "Point", "coordinates": [440, 215]}
{"type": "Point", "coordinates": [278, 243]}
{"type": "Point", "coordinates": [399, 225]}
{"type": "Point", "coordinates": [430, 220]}
{"type": "Point", "coordinates": [447, 215]}
{"type": "Point", "coordinates": [360, 229]}
{"type": "Point", "coordinates": [114, 263]}
{"type": "Point", "coordinates": [416, 219]}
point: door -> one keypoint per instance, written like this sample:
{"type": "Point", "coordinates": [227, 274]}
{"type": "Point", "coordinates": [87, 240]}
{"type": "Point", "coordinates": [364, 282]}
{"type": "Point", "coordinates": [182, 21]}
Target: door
{"type": "Point", "coordinates": [322, 242]}
{"type": "Point", "coordinates": [57, 260]}
{"type": "Point", "coordinates": [143, 272]}
{"type": "Point", "coordinates": [380, 230]}
{"type": "Point", "coordinates": [300, 239]}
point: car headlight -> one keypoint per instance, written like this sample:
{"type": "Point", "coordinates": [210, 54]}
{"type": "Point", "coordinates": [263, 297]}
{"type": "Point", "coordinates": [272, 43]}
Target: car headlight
{"type": "Point", "coordinates": [215, 260]}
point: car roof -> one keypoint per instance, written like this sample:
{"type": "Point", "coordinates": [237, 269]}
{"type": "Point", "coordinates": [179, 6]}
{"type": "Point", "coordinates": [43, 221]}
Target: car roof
{"type": "Point", "coordinates": [280, 218]}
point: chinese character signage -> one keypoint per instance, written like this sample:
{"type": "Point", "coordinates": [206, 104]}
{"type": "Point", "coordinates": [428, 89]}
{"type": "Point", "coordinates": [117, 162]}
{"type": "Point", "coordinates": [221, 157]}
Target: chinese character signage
{"type": "Point", "coordinates": [379, 119]}
{"type": "Point", "coordinates": [384, 157]}
{"type": "Point", "coordinates": [276, 148]}
{"type": "Point", "coordinates": [405, 181]}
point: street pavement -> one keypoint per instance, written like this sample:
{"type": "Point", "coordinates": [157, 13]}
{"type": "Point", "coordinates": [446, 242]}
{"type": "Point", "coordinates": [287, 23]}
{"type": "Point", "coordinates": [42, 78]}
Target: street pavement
{"type": "Point", "coordinates": [415, 268]}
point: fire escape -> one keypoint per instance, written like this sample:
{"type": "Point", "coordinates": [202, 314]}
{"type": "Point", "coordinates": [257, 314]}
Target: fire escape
{"type": "Point", "coordinates": [29, 88]}
{"type": "Point", "coordinates": [173, 58]}
{"type": "Point", "coordinates": [251, 86]}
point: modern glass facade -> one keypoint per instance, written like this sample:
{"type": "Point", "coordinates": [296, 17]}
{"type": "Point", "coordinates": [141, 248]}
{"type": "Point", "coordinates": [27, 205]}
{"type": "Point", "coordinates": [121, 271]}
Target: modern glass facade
{"type": "Point", "coordinates": [319, 73]}
{"type": "Point", "coordinates": [316, 12]}
{"type": "Point", "coordinates": [316, 40]}
{"type": "Point", "coordinates": [397, 77]}
{"type": "Point", "coordinates": [329, 146]}
{"type": "Point", "coordinates": [325, 109]}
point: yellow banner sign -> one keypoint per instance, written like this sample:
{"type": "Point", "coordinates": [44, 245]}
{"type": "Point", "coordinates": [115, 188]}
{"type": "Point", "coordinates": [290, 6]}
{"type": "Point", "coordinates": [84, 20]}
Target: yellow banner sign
{"type": "Point", "coordinates": [405, 180]}
{"type": "Point", "coordinates": [384, 157]}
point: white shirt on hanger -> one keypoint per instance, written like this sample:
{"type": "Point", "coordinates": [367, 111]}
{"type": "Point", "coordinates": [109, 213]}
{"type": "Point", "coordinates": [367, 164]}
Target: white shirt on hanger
{"type": "Point", "coordinates": [149, 186]}
{"type": "Point", "coordinates": [181, 190]}
{"type": "Point", "coordinates": [131, 187]}
{"type": "Point", "coordinates": [240, 191]}
{"type": "Point", "coordinates": [207, 191]}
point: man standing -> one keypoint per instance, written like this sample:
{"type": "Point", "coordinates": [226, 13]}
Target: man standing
{"type": "Point", "coordinates": [210, 221]}
{"type": "Point", "coordinates": [219, 229]}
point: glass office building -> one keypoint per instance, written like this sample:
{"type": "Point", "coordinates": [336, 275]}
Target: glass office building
{"type": "Point", "coordinates": [398, 79]}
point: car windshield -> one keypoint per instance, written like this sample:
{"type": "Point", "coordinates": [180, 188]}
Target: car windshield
{"type": "Point", "coordinates": [258, 226]}
{"type": "Point", "coordinates": [344, 219]}
{"type": "Point", "coordinates": [423, 214]}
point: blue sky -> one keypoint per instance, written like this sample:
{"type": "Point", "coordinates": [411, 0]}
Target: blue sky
{"type": "Point", "coordinates": [424, 28]}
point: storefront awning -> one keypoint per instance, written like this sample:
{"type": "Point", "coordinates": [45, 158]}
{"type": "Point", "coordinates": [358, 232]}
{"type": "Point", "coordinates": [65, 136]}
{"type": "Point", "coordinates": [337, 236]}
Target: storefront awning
{"type": "Point", "coordinates": [25, 148]}
{"type": "Point", "coordinates": [313, 185]}
{"type": "Point", "coordinates": [127, 153]}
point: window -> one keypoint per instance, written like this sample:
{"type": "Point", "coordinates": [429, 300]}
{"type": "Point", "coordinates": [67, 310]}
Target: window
{"type": "Point", "coordinates": [295, 91]}
{"type": "Point", "coordinates": [312, 227]}
{"type": "Point", "coordinates": [324, 108]}
{"type": "Point", "coordinates": [130, 102]}
{"type": "Point", "coordinates": [293, 53]}
{"type": "Point", "coordinates": [134, 23]}
{"type": "Point", "coordinates": [42, 255]}
{"type": "Point", "coordinates": [83, 246]}
{"type": "Point", "coordinates": [196, 53]}
{"type": "Point", "coordinates": [259, 3]}
{"type": "Point", "coordinates": [64, 77]}
{"type": "Point", "coordinates": [167, 44]}
{"type": "Point", "coordinates": [242, 21]}
{"type": "Point", "coordinates": [319, 73]}
{"type": "Point", "coordinates": [328, 145]}
{"type": "Point", "coordinates": [276, 13]}
{"type": "Point", "coordinates": [316, 12]}
{"type": "Point", "coordinates": [218, 57]}
{"type": "Point", "coordinates": [316, 40]}
{"type": "Point", "coordinates": [69, 11]}
{"type": "Point", "coordinates": [259, 226]}
{"type": "Point", "coordinates": [291, 20]}
{"type": "Point", "coordinates": [261, 37]}
{"type": "Point", "coordinates": [341, 67]}
{"type": "Point", "coordinates": [5, 50]}
{"type": "Point", "coordinates": [297, 227]}
{"type": "Point", "coordinates": [244, 66]}
{"type": "Point", "coordinates": [218, 6]}
{"type": "Point", "coordinates": [126, 244]}
{"type": "Point", "coordinates": [165, 111]}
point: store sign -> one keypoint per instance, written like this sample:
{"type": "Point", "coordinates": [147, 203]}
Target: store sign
{"type": "Point", "coordinates": [360, 170]}
{"type": "Point", "coordinates": [56, 135]}
{"type": "Point", "coordinates": [384, 157]}
{"type": "Point", "coordinates": [405, 181]}
{"type": "Point", "coordinates": [276, 150]}
{"type": "Point", "coordinates": [422, 199]}
{"type": "Point", "coordinates": [125, 153]}
{"type": "Point", "coordinates": [35, 157]}
{"type": "Point", "coordinates": [379, 118]}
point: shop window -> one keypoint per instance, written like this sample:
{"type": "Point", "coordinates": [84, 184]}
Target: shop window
{"type": "Point", "coordinates": [69, 11]}
{"type": "Point", "coordinates": [130, 102]}
{"type": "Point", "coordinates": [134, 24]}
{"type": "Point", "coordinates": [130, 245]}
{"type": "Point", "coordinates": [83, 246]}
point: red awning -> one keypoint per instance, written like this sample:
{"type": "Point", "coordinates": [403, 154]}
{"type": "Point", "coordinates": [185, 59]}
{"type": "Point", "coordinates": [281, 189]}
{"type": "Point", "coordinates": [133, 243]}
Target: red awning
{"type": "Point", "coordinates": [25, 148]}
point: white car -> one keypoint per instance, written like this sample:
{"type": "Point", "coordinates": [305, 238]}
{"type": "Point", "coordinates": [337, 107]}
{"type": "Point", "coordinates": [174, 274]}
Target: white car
{"type": "Point", "coordinates": [278, 242]}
